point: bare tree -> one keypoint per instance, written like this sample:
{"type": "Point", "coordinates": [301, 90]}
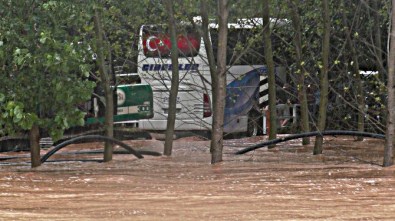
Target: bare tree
{"type": "Point", "coordinates": [206, 38]}
{"type": "Point", "coordinates": [377, 35]}
{"type": "Point", "coordinates": [171, 117]}
{"type": "Point", "coordinates": [360, 98]}
{"type": "Point", "coordinates": [270, 67]}
{"type": "Point", "coordinates": [390, 131]}
{"type": "Point", "coordinates": [219, 84]}
{"type": "Point", "coordinates": [301, 71]}
{"type": "Point", "coordinates": [324, 83]}
{"type": "Point", "coordinates": [106, 78]}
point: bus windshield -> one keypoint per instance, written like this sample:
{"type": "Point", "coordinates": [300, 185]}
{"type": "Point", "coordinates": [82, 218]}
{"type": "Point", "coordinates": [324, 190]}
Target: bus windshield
{"type": "Point", "coordinates": [156, 42]}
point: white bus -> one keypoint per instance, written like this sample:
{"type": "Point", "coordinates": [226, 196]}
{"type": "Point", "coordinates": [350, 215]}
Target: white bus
{"type": "Point", "coordinates": [246, 79]}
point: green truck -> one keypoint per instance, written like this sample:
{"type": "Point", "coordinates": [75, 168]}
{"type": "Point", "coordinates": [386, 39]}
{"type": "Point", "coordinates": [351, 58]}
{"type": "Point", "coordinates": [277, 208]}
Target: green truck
{"type": "Point", "coordinates": [134, 101]}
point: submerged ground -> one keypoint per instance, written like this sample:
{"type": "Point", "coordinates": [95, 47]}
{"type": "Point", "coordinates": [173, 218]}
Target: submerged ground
{"type": "Point", "coordinates": [346, 182]}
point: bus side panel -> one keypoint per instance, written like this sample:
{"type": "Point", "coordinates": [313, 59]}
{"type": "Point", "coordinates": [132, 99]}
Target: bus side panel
{"type": "Point", "coordinates": [190, 97]}
{"type": "Point", "coordinates": [156, 70]}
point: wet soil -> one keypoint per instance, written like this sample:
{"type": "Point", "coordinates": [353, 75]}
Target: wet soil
{"type": "Point", "coordinates": [346, 182]}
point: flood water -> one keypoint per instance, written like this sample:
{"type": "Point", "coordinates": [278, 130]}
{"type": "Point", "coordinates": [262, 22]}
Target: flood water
{"type": "Point", "coordinates": [346, 182]}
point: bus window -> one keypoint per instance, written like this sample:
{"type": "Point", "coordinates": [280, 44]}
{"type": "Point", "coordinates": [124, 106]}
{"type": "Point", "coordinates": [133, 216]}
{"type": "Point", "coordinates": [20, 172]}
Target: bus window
{"type": "Point", "coordinates": [156, 42]}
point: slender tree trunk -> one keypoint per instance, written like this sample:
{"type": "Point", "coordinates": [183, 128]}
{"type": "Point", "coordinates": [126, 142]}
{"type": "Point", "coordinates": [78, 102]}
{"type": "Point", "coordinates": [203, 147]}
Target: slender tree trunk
{"type": "Point", "coordinates": [219, 85]}
{"type": "Point", "coordinates": [171, 117]}
{"type": "Point", "coordinates": [357, 77]}
{"type": "Point", "coordinates": [390, 130]}
{"type": "Point", "coordinates": [301, 72]}
{"type": "Point", "coordinates": [378, 46]}
{"type": "Point", "coordinates": [105, 78]}
{"type": "Point", "coordinates": [206, 38]}
{"type": "Point", "coordinates": [205, 32]}
{"type": "Point", "coordinates": [360, 94]}
{"type": "Point", "coordinates": [270, 68]}
{"type": "Point", "coordinates": [324, 83]}
{"type": "Point", "coordinates": [34, 140]}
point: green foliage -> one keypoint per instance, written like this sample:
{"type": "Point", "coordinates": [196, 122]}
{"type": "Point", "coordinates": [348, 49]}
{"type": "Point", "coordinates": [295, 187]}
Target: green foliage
{"type": "Point", "coordinates": [45, 62]}
{"type": "Point", "coordinates": [13, 116]}
{"type": "Point", "coordinates": [46, 55]}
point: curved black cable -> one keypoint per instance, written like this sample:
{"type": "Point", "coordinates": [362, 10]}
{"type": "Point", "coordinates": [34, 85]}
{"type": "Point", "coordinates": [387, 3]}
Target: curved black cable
{"type": "Point", "coordinates": [310, 134]}
{"type": "Point", "coordinates": [93, 138]}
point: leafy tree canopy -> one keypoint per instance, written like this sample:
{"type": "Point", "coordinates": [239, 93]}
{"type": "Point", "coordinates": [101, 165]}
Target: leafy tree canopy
{"type": "Point", "coordinates": [45, 61]}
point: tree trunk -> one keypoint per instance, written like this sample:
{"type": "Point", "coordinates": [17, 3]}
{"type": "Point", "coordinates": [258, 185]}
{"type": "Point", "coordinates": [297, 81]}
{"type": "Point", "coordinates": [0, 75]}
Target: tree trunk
{"type": "Point", "coordinates": [205, 32]}
{"type": "Point", "coordinates": [390, 133]}
{"type": "Point", "coordinates": [378, 46]}
{"type": "Point", "coordinates": [360, 94]}
{"type": "Point", "coordinates": [105, 77]}
{"type": "Point", "coordinates": [34, 140]}
{"type": "Point", "coordinates": [301, 71]}
{"type": "Point", "coordinates": [206, 38]}
{"type": "Point", "coordinates": [270, 68]}
{"type": "Point", "coordinates": [324, 84]}
{"type": "Point", "coordinates": [357, 77]}
{"type": "Point", "coordinates": [219, 85]}
{"type": "Point", "coordinates": [171, 117]}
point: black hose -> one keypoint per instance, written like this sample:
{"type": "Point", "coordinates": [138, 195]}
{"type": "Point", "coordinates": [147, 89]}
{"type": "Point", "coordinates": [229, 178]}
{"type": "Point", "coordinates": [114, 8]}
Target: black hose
{"type": "Point", "coordinates": [149, 152]}
{"type": "Point", "coordinates": [13, 157]}
{"type": "Point", "coordinates": [311, 134]}
{"type": "Point", "coordinates": [94, 138]}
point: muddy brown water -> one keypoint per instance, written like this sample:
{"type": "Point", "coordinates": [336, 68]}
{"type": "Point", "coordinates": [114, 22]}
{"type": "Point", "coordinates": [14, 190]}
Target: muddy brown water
{"type": "Point", "coordinates": [346, 182]}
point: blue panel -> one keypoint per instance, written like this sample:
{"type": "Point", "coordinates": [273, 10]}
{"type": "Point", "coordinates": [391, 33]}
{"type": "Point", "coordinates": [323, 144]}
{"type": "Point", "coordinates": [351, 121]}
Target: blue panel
{"type": "Point", "coordinates": [241, 95]}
